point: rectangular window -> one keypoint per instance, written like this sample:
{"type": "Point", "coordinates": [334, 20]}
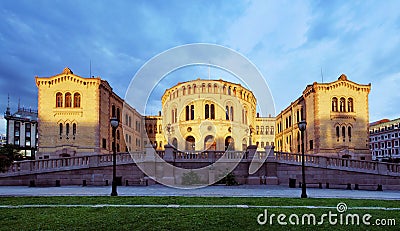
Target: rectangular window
{"type": "Point", "coordinates": [191, 112]}
{"type": "Point", "coordinates": [311, 144]}
{"type": "Point", "coordinates": [104, 143]}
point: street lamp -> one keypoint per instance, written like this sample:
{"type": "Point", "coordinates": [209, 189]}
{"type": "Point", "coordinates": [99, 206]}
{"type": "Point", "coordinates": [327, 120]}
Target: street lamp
{"type": "Point", "coordinates": [302, 126]}
{"type": "Point", "coordinates": [114, 124]}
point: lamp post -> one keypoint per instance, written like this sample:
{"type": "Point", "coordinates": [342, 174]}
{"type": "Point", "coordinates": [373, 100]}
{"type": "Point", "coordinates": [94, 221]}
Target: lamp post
{"type": "Point", "coordinates": [302, 126]}
{"type": "Point", "coordinates": [114, 124]}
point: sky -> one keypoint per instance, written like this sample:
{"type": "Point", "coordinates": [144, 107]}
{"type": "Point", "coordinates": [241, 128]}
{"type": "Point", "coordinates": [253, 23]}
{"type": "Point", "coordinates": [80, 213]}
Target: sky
{"type": "Point", "coordinates": [292, 43]}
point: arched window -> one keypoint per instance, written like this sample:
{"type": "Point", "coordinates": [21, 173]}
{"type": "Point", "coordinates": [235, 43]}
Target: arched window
{"type": "Point", "coordinates": [74, 129]}
{"type": "Point", "coordinates": [334, 104]}
{"type": "Point", "coordinates": [174, 114]}
{"type": "Point", "coordinates": [350, 107]}
{"type": "Point", "coordinates": [155, 128]}
{"type": "Point", "coordinates": [67, 129]}
{"type": "Point", "coordinates": [229, 90]}
{"type": "Point", "coordinates": [215, 88]}
{"type": "Point", "coordinates": [189, 90]}
{"type": "Point", "coordinates": [207, 111]}
{"type": "Point", "coordinates": [209, 88]}
{"type": "Point", "coordinates": [77, 100]}
{"type": "Point", "coordinates": [113, 111]}
{"type": "Point", "coordinates": [191, 112]}
{"type": "Point", "coordinates": [183, 90]}
{"type": "Point", "coordinates": [344, 132]}
{"type": "Point", "coordinates": [342, 104]}
{"type": "Point", "coordinates": [68, 99]}
{"type": "Point", "coordinates": [227, 112]}
{"type": "Point", "coordinates": [337, 133]}
{"type": "Point", "coordinates": [212, 111]}
{"type": "Point", "coordinates": [203, 88]}
{"type": "Point", "coordinates": [194, 89]}
{"type": "Point", "coordinates": [187, 113]}
{"type": "Point", "coordinates": [118, 115]}
{"type": "Point", "coordinates": [262, 144]}
{"type": "Point", "coordinates": [61, 129]}
{"type": "Point", "coordinates": [298, 142]}
{"type": "Point", "coordinates": [231, 113]}
{"type": "Point", "coordinates": [349, 133]}
{"type": "Point", "coordinates": [59, 99]}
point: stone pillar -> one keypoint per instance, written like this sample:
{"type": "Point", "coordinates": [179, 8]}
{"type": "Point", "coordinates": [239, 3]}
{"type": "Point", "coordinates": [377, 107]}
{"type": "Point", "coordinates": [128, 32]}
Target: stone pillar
{"type": "Point", "coordinates": [382, 168]}
{"type": "Point", "coordinates": [169, 153]}
{"type": "Point", "coordinates": [254, 165]}
{"type": "Point", "coordinates": [252, 149]}
{"type": "Point", "coordinates": [168, 176]}
{"type": "Point", "coordinates": [93, 161]}
{"type": "Point", "coordinates": [271, 166]}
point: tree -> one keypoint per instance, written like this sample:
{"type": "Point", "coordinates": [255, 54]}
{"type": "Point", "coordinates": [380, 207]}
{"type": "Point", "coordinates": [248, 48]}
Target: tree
{"type": "Point", "coordinates": [8, 153]}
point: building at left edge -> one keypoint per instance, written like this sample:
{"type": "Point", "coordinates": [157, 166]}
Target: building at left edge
{"type": "Point", "coordinates": [74, 114]}
{"type": "Point", "coordinates": [21, 131]}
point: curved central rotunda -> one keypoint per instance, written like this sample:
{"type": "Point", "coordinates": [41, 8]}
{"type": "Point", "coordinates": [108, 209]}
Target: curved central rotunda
{"type": "Point", "coordinates": [209, 115]}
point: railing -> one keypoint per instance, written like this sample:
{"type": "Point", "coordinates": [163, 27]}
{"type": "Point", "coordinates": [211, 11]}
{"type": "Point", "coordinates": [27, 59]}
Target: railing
{"type": "Point", "coordinates": [67, 163]}
{"type": "Point", "coordinates": [211, 156]}
{"type": "Point", "coordinates": [339, 163]}
{"type": "Point", "coordinates": [80, 162]}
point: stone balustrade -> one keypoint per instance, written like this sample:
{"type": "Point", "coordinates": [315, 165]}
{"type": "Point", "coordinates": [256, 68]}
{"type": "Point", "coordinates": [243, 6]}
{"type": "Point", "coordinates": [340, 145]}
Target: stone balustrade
{"type": "Point", "coordinates": [172, 155]}
{"type": "Point", "coordinates": [391, 169]}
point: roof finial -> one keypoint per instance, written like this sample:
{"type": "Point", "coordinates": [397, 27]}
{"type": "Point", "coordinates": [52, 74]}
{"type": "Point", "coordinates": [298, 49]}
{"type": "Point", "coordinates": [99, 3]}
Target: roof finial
{"type": "Point", "coordinates": [343, 77]}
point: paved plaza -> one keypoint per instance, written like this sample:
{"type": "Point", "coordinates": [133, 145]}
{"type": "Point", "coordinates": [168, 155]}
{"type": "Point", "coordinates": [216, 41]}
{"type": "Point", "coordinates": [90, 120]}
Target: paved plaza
{"type": "Point", "coordinates": [211, 191]}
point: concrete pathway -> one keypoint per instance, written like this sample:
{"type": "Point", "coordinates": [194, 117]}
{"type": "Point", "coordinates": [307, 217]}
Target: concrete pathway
{"type": "Point", "coordinates": [211, 191]}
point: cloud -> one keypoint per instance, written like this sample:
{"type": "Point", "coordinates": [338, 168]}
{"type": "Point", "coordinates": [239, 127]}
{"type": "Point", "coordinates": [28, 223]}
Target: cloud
{"type": "Point", "coordinates": [289, 41]}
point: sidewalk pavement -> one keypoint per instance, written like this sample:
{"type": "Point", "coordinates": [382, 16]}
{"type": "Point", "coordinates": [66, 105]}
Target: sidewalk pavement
{"type": "Point", "coordinates": [210, 191]}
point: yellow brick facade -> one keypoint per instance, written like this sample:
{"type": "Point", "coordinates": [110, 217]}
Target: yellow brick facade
{"type": "Point", "coordinates": [337, 119]}
{"type": "Point", "coordinates": [74, 114]}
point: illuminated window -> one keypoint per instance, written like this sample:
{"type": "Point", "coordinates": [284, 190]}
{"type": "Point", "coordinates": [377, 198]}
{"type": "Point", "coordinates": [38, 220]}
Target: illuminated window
{"type": "Point", "coordinates": [334, 104]}
{"type": "Point", "coordinates": [77, 100]}
{"type": "Point", "coordinates": [68, 99]}
{"type": "Point", "coordinates": [350, 107]}
{"type": "Point", "coordinates": [342, 105]}
{"type": "Point", "coordinates": [59, 99]}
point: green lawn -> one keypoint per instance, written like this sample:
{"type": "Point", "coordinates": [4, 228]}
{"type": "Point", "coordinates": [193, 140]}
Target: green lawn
{"type": "Point", "coordinates": [112, 218]}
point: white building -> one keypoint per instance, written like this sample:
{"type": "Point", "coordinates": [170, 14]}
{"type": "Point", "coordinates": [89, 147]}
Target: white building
{"type": "Point", "coordinates": [384, 138]}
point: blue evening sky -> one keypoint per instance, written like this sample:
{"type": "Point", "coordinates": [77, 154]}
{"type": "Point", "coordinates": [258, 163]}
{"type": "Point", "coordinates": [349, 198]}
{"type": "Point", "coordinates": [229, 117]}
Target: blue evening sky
{"type": "Point", "coordinates": [289, 41]}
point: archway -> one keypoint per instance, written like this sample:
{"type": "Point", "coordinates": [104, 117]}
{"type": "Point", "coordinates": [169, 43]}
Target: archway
{"type": "Point", "coordinates": [229, 143]}
{"type": "Point", "coordinates": [175, 143]}
{"type": "Point", "coordinates": [209, 143]}
{"type": "Point", "coordinates": [190, 143]}
{"type": "Point", "coordinates": [244, 144]}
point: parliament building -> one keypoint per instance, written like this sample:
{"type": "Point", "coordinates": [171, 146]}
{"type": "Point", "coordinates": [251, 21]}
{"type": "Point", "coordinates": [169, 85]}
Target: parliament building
{"type": "Point", "coordinates": [74, 114]}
